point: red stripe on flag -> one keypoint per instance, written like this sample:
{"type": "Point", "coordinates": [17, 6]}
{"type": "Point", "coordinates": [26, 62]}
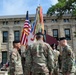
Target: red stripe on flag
{"type": "Point", "coordinates": [22, 37]}
{"type": "Point", "coordinates": [27, 40]}
{"type": "Point", "coordinates": [24, 40]}
{"type": "Point", "coordinates": [26, 31]}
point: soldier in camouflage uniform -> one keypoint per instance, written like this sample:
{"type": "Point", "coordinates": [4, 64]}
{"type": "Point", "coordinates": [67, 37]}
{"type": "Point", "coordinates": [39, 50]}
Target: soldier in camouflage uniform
{"type": "Point", "coordinates": [68, 58]}
{"type": "Point", "coordinates": [39, 58]}
{"type": "Point", "coordinates": [56, 54]}
{"type": "Point", "coordinates": [16, 59]}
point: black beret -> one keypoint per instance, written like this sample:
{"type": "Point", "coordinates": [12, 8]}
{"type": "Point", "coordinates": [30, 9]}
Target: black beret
{"type": "Point", "coordinates": [39, 33]}
{"type": "Point", "coordinates": [16, 41]}
{"type": "Point", "coordinates": [62, 38]}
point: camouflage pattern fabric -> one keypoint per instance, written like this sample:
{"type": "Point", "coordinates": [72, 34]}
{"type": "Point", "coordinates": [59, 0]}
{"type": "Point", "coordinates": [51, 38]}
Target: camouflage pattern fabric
{"type": "Point", "coordinates": [68, 60]}
{"type": "Point", "coordinates": [56, 68]}
{"type": "Point", "coordinates": [16, 59]}
{"type": "Point", "coordinates": [39, 59]}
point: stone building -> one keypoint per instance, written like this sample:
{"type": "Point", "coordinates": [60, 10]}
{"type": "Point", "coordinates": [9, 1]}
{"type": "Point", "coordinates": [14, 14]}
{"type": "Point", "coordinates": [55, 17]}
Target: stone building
{"type": "Point", "coordinates": [11, 27]}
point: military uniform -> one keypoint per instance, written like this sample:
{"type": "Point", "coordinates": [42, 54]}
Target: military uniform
{"type": "Point", "coordinates": [68, 61]}
{"type": "Point", "coordinates": [16, 60]}
{"type": "Point", "coordinates": [22, 61]}
{"type": "Point", "coordinates": [39, 59]}
{"type": "Point", "coordinates": [56, 68]}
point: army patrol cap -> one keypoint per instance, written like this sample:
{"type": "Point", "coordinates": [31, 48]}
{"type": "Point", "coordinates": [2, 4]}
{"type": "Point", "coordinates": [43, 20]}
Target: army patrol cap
{"type": "Point", "coordinates": [16, 41]}
{"type": "Point", "coordinates": [62, 38]}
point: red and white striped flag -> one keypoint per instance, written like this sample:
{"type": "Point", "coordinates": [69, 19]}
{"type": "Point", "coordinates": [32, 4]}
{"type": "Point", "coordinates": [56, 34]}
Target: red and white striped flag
{"type": "Point", "coordinates": [26, 31]}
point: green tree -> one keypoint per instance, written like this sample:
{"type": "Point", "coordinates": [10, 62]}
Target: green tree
{"type": "Point", "coordinates": [63, 6]}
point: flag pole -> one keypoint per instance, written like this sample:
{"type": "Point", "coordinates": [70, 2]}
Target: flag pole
{"type": "Point", "coordinates": [38, 2]}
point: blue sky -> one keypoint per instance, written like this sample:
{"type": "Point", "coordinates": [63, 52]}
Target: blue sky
{"type": "Point", "coordinates": [19, 7]}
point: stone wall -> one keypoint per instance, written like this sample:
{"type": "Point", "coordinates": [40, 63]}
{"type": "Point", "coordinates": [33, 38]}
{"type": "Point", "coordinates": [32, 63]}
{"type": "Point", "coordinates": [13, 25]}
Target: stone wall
{"type": "Point", "coordinates": [49, 26]}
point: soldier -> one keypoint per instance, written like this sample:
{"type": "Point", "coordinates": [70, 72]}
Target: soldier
{"type": "Point", "coordinates": [16, 59]}
{"type": "Point", "coordinates": [22, 60]}
{"type": "Point", "coordinates": [56, 55]}
{"type": "Point", "coordinates": [68, 58]}
{"type": "Point", "coordinates": [39, 58]}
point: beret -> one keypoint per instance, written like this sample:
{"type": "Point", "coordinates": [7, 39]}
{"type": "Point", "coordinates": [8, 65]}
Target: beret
{"type": "Point", "coordinates": [39, 33]}
{"type": "Point", "coordinates": [62, 38]}
{"type": "Point", "coordinates": [16, 41]}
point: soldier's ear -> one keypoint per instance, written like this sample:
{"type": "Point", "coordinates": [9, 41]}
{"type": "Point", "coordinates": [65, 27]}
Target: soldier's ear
{"type": "Point", "coordinates": [64, 40]}
{"type": "Point", "coordinates": [16, 44]}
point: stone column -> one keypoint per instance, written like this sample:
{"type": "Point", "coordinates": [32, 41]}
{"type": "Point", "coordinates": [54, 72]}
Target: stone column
{"type": "Point", "coordinates": [61, 31]}
{"type": "Point", "coordinates": [0, 45]}
{"type": "Point", "coordinates": [10, 40]}
{"type": "Point", "coordinates": [73, 29]}
{"type": "Point", "coordinates": [21, 28]}
{"type": "Point", "coordinates": [0, 39]}
{"type": "Point", "coordinates": [49, 31]}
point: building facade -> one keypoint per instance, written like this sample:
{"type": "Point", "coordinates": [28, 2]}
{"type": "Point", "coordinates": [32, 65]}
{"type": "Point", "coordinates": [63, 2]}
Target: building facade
{"type": "Point", "coordinates": [11, 28]}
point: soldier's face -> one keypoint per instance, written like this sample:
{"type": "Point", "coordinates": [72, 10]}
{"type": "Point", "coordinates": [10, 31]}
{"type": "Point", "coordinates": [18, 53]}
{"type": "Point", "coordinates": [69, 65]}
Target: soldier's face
{"type": "Point", "coordinates": [63, 42]}
{"type": "Point", "coordinates": [18, 45]}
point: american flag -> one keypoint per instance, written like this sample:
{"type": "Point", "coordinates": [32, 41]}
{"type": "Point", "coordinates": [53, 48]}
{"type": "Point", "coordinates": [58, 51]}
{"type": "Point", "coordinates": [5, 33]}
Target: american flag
{"type": "Point", "coordinates": [26, 31]}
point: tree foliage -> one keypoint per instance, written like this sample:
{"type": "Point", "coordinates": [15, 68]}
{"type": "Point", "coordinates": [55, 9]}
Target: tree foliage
{"type": "Point", "coordinates": [63, 6]}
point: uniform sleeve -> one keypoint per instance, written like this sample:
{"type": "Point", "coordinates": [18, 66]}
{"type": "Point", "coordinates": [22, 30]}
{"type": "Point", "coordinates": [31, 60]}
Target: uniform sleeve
{"type": "Point", "coordinates": [13, 61]}
{"type": "Point", "coordinates": [14, 57]}
{"type": "Point", "coordinates": [28, 59]}
{"type": "Point", "coordinates": [70, 59]}
{"type": "Point", "coordinates": [50, 59]}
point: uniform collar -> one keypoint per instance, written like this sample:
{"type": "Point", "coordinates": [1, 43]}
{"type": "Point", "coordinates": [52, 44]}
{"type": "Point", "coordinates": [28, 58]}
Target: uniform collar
{"type": "Point", "coordinates": [40, 41]}
{"type": "Point", "coordinates": [65, 46]}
